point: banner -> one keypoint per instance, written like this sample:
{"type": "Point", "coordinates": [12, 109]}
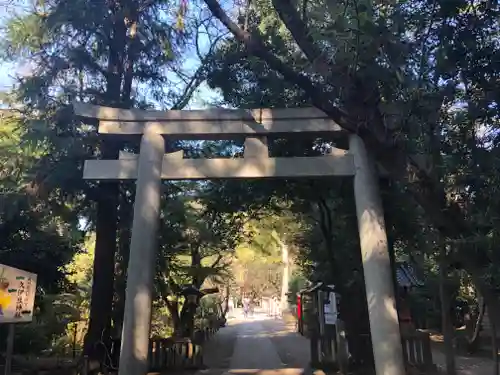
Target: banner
{"type": "Point", "coordinates": [17, 295]}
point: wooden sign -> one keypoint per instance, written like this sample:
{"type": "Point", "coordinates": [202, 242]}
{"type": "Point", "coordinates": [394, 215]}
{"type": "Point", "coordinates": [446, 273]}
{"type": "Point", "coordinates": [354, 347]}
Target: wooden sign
{"type": "Point", "coordinates": [17, 295]}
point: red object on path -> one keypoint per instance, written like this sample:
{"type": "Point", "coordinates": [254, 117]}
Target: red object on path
{"type": "Point", "coordinates": [299, 308]}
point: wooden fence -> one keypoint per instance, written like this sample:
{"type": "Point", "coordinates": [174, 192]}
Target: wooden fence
{"type": "Point", "coordinates": [417, 350]}
{"type": "Point", "coordinates": [172, 353]}
{"type": "Point", "coordinates": [416, 347]}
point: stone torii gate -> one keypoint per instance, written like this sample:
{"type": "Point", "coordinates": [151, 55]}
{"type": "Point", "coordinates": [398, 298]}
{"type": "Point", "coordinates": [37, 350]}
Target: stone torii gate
{"type": "Point", "coordinates": [152, 165]}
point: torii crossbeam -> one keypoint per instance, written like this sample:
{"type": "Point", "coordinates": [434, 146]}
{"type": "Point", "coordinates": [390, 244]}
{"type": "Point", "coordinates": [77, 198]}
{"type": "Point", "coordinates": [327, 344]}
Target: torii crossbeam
{"type": "Point", "coordinates": [152, 165]}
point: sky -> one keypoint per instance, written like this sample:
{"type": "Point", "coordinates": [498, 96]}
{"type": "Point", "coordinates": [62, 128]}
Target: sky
{"type": "Point", "coordinates": [5, 69]}
{"type": "Point", "coordinates": [7, 9]}
{"type": "Point", "coordinates": [5, 76]}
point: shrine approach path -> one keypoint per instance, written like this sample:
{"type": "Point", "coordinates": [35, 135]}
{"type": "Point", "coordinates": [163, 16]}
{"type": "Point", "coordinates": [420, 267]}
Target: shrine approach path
{"type": "Point", "coordinates": [258, 345]}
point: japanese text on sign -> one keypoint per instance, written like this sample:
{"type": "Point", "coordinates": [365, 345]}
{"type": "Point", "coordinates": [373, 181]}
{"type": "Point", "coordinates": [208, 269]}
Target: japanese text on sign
{"type": "Point", "coordinates": [17, 295]}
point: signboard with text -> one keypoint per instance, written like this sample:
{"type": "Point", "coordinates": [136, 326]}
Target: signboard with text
{"type": "Point", "coordinates": [17, 295]}
{"type": "Point", "coordinates": [330, 310]}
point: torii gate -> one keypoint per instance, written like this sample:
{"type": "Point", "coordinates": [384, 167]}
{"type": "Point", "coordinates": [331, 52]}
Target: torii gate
{"type": "Point", "coordinates": [152, 165]}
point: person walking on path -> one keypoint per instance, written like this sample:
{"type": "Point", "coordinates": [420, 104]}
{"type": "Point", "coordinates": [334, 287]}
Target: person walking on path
{"type": "Point", "coordinates": [246, 306]}
{"type": "Point", "coordinates": [230, 307]}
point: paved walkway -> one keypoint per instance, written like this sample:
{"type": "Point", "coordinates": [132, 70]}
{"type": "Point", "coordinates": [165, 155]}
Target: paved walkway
{"type": "Point", "coordinates": [465, 365]}
{"type": "Point", "coordinates": [258, 345]}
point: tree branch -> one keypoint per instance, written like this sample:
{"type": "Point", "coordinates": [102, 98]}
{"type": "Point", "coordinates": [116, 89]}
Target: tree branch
{"type": "Point", "coordinates": [256, 47]}
{"type": "Point", "coordinates": [302, 36]}
{"type": "Point", "coordinates": [217, 260]}
{"type": "Point", "coordinates": [198, 77]}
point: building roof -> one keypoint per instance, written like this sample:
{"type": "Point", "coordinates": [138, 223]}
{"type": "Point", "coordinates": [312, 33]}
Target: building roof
{"type": "Point", "coordinates": [406, 275]}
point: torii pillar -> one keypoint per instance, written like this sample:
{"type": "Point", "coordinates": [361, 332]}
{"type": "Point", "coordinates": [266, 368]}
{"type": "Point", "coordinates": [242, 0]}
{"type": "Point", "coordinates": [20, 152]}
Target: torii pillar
{"type": "Point", "coordinates": [141, 267]}
{"type": "Point", "coordinates": [384, 324]}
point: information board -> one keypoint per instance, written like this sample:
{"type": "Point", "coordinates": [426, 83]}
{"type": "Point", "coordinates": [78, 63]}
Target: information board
{"type": "Point", "coordinates": [17, 295]}
{"type": "Point", "coordinates": [330, 310]}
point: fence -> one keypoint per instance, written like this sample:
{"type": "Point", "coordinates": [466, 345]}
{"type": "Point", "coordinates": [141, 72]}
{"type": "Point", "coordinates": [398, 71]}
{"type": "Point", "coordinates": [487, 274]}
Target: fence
{"type": "Point", "coordinates": [167, 354]}
{"type": "Point", "coordinates": [417, 350]}
{"type": "Point", "coordinates": [172, 353]}
{"type": "Point", "coordinates": [416, 347]}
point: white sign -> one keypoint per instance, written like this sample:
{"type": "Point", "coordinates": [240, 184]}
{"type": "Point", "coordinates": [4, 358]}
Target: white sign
{"type": "Point", "coordinates": [331, 310]}
{"type": "Point", "coordinates": [17, 295]}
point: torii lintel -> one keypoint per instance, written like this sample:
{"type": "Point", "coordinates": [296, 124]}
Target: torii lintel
{"type": "Point", "coordinates": [216, 123]}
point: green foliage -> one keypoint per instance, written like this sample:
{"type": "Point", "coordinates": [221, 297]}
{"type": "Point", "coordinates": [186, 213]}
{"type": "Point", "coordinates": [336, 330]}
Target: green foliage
{"type": "Point", "coordinates": [258, 264]}
{"type": "Point", "coordinates": [35, 235]}
{"type": "Point", "coordinates": [297, 283]}
{"type": "Point", "coordinates": [161, 322]}
{"type": "Point", "coordinates": [196, 240]}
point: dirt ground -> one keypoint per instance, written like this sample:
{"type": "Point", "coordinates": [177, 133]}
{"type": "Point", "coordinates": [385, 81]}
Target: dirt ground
{"type": "Point", "coordinates": [480, 363]}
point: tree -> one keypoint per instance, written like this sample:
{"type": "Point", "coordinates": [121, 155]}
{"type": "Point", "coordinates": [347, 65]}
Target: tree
{"type": "Point", "coordinates": [36, 236]}
{"type": "Point", "coordinates": [198, 239]}
{"type": "Point", "coordinates": [397, 74]}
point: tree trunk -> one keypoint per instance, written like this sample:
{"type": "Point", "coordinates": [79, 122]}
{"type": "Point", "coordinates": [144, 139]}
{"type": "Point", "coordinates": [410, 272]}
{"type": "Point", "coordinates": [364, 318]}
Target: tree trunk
{"type": "Point", "coordinates": [445, 315]}
{"type": "Point", "coordinates": [284, 279]}
{"type": "Point", "coordinates": [173, 308]}
{"type": "Point", "coordinates": [125, 225]}
{"type": "Point", "coordinates": [474, 339]}
{"type": "Point", "coordinates": [188, 312]}
{"type": "Point", "coordinates": [101, 303]}
{"type": "Point", "coordinates": [353, 310]}
{"type": "Point", "coordinates": [98, 334]}
{"type": "Point", "coordinates": [494, 344]}
{"type": "Point", "coordinates": [197, 279]}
